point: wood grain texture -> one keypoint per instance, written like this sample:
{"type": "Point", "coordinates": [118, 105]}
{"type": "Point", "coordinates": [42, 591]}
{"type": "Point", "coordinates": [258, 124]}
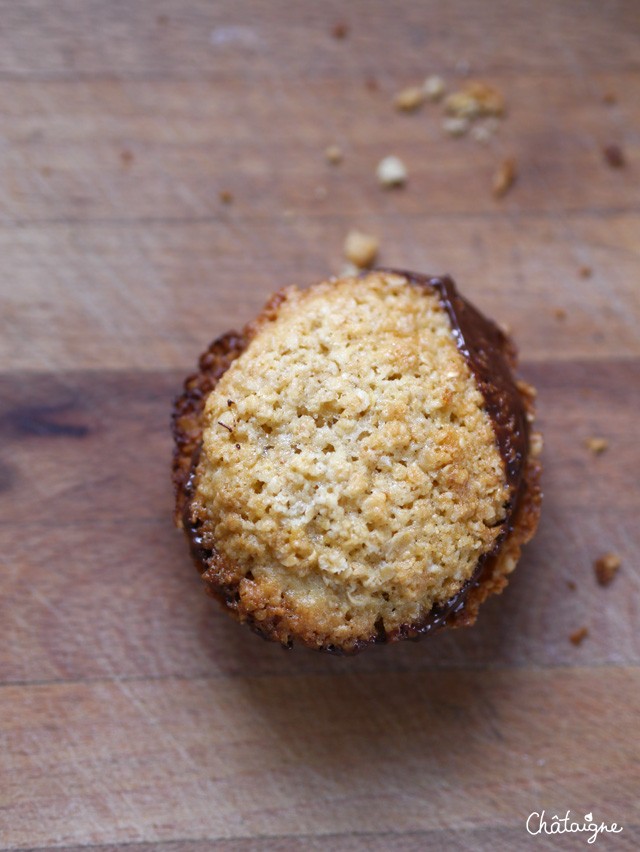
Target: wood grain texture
{"type": "Point", "coordinates": [133, 713]}
{"type": "Point", "coordinates": [84, 285]}
{"type": "Point", "coordinates": [154, 759]}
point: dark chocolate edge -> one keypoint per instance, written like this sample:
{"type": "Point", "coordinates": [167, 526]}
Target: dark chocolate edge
{"type": "Point", "coordinates": [489, 354]}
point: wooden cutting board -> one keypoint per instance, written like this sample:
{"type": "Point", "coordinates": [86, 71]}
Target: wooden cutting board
{"type": "Point", "coordinates": [133, 712]}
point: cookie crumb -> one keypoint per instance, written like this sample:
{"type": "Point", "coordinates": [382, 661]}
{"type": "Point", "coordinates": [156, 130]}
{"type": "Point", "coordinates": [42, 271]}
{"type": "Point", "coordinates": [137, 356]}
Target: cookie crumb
{"type": "Point", "coordinates": [349, 270]}
{"type": "Point", "coordinates": [597, 445]}
{"type": "Point", "coordinates": [433, 88]}
{"type": "Point", "coordinates": [536, 444]}
{"type": "Point", "coordinates": [525, 388]}
{"type": "Point", "coordinates": [475, 99]}
{"type": "Point", "coordinates": [391, 172]}
{"type": "Point", "coordinates": [361, 249]}
{"type": "Point", "coordinates": [578, 636]}
{"type": "Point", "coordinates": [614, 156]}
{"type": "Point", "coordinates": [484, 132]}
{"type": "Point", "coordinates": [126, 157]}
{"type": "Point", "coordinates": [585, 272]}
{"type": "Point", "coordinates": [606, 568]}
{"type": "Point", "coordinates": [225, 196]}
{"type": "Point", "coordinates": [340, 30]}
{"type": "Point", "coordinates": [504, 178]}
{"type": "Point", "coordinates": [409, 99]}
{"type": "Point", "coordinates": [560, 313]}
{"type": "Point", "coordinates": [333, 154]}
{"type": "Point", "coordinates": [455, 126]}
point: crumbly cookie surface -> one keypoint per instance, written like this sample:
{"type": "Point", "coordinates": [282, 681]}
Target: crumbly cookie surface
{"type": "Point", "coordinates": [349, 478]}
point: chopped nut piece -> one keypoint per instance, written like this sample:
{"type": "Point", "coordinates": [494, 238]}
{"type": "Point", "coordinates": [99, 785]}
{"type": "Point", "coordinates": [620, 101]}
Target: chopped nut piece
{"type": "Point", "coordinates": [433, 88]}
{"type": "Point", "coordinates": [485, 131]}
{"type": "Point", "coordinates": [462, 105]}
{"type": "Point", "coordinates": [536, 444]}
{"type": "Point", "coordinates": [475, 99]}
{"type": "Point", "coordinates": [597, 445]}
{"type": "Point", "coordinates": [333, 154]}
{"type": "Point", "coordinates": [225, 196]}
{"type": "Point", "coordinates": [340, 30]}
{"type": "Point", "coordinates": [481, 133]}
{"type": "Point", "coordinates": [490, 100]}
{"type": "Point", "coordinates": [349, 269]}
{"type": "Point", "coordinates": [526, 389]}
{"type": "Point", "coordinates": [360, 249]}
{"type": "Point", "coordinates": [391, 172]}
{"type": "Point", "coordinates": [578, 636]}
{"type": "Point", "coordinates": [410, 99]}
{"type": "Point", "coordinates": [614, 156]}
{"type": "Point", "coordinates": [606, 568]}
{"type": "Point", "coordinates": [585, 272]}
{"type": "Point", "coordinates": [504, 178]}
{"type": "Point", "coordinates": [560, 313]}
{"type": "Point", "coordinates": [455, 126]}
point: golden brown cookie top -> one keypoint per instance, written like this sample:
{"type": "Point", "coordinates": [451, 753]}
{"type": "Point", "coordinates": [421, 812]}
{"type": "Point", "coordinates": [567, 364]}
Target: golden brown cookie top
{"type": "Point", "coordinates": [350, 477]}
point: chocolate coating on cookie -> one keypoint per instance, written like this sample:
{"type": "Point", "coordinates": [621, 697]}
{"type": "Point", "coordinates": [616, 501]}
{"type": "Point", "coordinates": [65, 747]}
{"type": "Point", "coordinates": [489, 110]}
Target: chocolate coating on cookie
{"type": "Point", "coordinates": [490, 356]}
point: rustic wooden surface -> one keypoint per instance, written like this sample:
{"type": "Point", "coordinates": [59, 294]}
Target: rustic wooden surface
{"type": "Point", "coordinates": [132, 712]}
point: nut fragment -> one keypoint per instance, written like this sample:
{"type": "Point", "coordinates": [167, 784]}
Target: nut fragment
{"type": "Point", "coordinates": [536, 444]}
{"type": "Point", "coordinates": [409, 99]}
{"type": "Point", "coordinates": [349, 269]}
{"type": "Point", "coordinates": [391, 172]}
{"type": "Point", "coordinates": [333, 154]}
{"type": "Point", "coordinates": [455, 126]}
{"type": "Point", "coordinates": [524, 387]}
{"type": "Point", "coordinates": [433, 88]}
{"type": "Point", "coordinates": [606, 568]}
{"type": "Point", "coordinates": [361, 249]}
{"type": "Point", "coordinates": [475, 99]}
{"type": "Point", "coordinates": [505, 177]}
{"type": "Point", "coordinates": [578, 636]}
{"type": "Point", "coordinates": [485, 131]}
{"type": "Point", "coordinates": [597, 445]}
